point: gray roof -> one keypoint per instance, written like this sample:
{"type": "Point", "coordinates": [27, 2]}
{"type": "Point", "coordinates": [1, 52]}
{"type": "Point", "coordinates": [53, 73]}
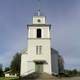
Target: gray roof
{"type": "Point", "coordinates": [24, 51]}
{"type": "Point", "coordinates": [54, 51]}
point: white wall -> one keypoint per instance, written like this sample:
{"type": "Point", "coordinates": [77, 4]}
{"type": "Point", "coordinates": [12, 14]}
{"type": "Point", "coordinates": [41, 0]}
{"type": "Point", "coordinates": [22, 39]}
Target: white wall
{"type": "Point", "coordinates": [32, 31]}
{"type": "Point", "coordinates": [42, 19]}
{"type": "Point", "coordinates": [10, 75]}
{"type": "Point", "coordinates": [27, 66]}
{"type": "Point", "coordinates": [45, 41]}
{"type": "Point", "coordinates": [46, 52]}
{"type": "Point", "coordinates": [27, 63]}
{"type": "Point", "coordinates": [7, 75]}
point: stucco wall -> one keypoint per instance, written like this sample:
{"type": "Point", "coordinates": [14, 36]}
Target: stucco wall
{"type": "Point", "coordinates": [32, 32]}
{"type": "Point", "coordinates": [27, 59]}
{"type": "Point", "coordinates": [42, 19]}
{"type": "Point", "coordinates": [46, 52]}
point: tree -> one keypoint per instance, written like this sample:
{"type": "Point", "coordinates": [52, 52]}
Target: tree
{"type": "Point", "coordinates": [75, 72]}
{"type": "Point", "coordinates": [15, 64]}
{"type": "Point", "coordinates": [1, 71]}
{"type": "Point", "coordinates": [7, 69]}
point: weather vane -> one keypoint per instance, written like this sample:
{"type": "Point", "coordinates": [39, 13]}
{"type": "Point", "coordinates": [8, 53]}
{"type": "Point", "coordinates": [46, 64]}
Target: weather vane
{"type": "Point", "coordinates": [39, 4]}
{"type": "Point", "coordinates": [39, 10]}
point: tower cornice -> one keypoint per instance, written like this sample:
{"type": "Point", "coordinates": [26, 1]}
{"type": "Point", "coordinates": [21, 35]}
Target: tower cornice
{"type": "Point", "coordinates": [38, 25]}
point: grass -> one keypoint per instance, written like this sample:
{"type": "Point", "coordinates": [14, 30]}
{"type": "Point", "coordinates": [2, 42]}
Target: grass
{"type": "Point", "coordinates": [3, 78]}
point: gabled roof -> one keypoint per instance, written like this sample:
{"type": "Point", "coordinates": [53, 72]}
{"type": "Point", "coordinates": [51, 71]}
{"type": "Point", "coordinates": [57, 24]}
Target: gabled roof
{"type": "Point", "coordinates": [24, 51]}
{"type": "Point", "coordinates": [54, 51]}
{"type": "Point", "coordinates": [7, 72]}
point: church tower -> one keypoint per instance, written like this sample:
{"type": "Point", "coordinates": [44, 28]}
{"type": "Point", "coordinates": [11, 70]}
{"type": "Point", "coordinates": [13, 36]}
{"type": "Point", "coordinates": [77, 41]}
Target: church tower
{"type": "Point", "coordinates": [37, 58]}
{"type": "Point", "coordinates": [39, 43]}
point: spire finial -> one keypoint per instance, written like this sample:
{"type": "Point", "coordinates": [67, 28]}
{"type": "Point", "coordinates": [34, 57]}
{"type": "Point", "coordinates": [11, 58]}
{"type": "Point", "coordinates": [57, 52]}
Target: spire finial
{"type": "Point", "coordinates": [39, 10]}
{"type": "Point", "coordinates": [39, 13]}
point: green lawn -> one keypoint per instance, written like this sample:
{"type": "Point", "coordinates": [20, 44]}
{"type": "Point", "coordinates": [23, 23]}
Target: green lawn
{"type": "Point", "coordinates": [3, 78]}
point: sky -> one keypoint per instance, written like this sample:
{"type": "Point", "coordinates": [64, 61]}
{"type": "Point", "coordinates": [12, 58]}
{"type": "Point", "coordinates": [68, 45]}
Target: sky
{"type": "Point", "coordinates": [63, 15]}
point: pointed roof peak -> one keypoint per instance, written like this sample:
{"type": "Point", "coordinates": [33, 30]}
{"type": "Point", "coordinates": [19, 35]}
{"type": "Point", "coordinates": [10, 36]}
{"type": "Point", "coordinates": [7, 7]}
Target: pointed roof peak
{"type": "Point", "coordinates": [38, 9]}
{"type": "Point", "coordinates": [39, 12]}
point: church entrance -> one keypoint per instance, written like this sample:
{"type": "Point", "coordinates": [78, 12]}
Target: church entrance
{"type": "Point", "coordinates": [39, 67]}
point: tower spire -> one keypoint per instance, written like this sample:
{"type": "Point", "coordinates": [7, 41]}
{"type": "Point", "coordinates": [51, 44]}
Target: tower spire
{"type": "Point", "coordinates": [39, 10]}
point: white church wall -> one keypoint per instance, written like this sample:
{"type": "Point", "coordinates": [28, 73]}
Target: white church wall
{"type": "Point", "coordinates": [45, 55]}
{"type": "Point", "coordinates": [27, 65]}
{"type": "Point", "coordinates": [27, 60]}
{"type": "Point", "coordinates": [33, 31]}
{"type": "Point", "coordinates": [41, 18]}
{"type": "Point", "coordinates": [23, 64]}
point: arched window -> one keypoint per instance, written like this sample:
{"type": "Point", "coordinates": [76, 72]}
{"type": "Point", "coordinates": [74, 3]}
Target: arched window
{"type": "Point", "coordinates": [38, 33]}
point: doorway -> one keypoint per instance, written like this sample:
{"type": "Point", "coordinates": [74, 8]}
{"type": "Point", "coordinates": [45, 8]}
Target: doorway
{"type": "Point", "coordinates": [39, 67]}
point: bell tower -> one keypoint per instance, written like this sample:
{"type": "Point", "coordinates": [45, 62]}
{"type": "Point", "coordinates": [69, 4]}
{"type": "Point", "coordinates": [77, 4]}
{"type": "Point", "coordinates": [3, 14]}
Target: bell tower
{"type": "Point", "coordinates": [39, 42]}
{"type": "Point", "coordinates": [38, 57]}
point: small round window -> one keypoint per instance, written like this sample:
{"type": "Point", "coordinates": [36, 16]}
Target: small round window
{"type": "Point", "coordinates": [39, 20]}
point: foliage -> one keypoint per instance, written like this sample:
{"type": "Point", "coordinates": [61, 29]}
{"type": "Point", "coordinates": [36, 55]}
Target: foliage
{"type": "Point", "coordinates": [7, 69]}
{"type": "Point", "coordinates": [1, 71]}
{"type": "Point", "coordinates": [74, 72]}
{"type": "Point", "coordinates": [3, 78]}
{"type": "Point", "coordinates": [15, 64]}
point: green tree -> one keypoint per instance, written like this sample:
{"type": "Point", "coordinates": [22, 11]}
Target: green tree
{"type": "Point", "coordinates": [7, 69]}
{"type": "Point", "coordinates": [15, 64]}
{"type": "Point", "coordinates": [75, 72]}
{"type": "Point", "coordinates": [1, 71]}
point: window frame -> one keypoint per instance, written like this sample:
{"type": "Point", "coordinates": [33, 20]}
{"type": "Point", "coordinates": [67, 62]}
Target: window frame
{"type": "Point", "coordinates": [39, 33]}
{"type": "Point", "coordinates": [39, 50]}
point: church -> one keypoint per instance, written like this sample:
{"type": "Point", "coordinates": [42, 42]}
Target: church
{"type": "Point", "coordinates": [38, 57]}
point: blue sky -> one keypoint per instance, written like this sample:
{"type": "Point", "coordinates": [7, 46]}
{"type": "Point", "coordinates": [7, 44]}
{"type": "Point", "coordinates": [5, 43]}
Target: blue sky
{"type": "Point", "coordinates": [63, 15]}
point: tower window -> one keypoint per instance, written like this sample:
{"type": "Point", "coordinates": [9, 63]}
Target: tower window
{"type": "Point", "coordinates": [38, 33]}
{"type": "Point", "coordinates": [39, 20]}
{"type": "Point", "coordinates": [38, 49]}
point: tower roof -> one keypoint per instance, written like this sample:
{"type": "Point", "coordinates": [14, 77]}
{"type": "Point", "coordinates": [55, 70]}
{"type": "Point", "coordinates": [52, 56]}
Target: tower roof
{"type": "Point", "coordinates": [38, 11]}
